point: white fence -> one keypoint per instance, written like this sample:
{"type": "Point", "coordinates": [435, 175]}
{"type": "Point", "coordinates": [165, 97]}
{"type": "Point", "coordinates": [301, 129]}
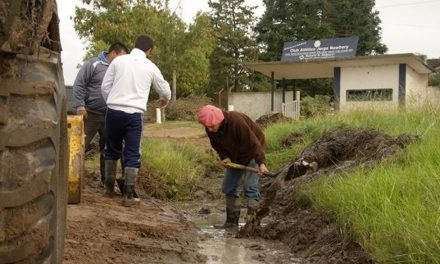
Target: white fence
{"type": "Point", "coordinates": [292, 109]}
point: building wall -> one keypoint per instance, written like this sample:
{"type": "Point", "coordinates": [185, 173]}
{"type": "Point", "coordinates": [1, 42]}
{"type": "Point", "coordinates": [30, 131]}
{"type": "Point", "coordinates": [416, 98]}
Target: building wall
{"type": "Point", "coordinates": [369, 77]}
{"type": "Point", "coordinates": [256, 104]}
{"type": "Point", "coordinates": [416, 87]}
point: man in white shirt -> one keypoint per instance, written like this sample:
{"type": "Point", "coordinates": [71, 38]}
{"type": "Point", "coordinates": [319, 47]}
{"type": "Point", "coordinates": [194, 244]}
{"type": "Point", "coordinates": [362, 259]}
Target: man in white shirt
{"type": "Point", "coordinates": [125, 88]}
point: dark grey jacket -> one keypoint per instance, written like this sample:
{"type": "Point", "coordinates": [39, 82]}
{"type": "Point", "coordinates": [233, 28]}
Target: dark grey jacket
{"type": "Point", "coordinates": [87, 86]}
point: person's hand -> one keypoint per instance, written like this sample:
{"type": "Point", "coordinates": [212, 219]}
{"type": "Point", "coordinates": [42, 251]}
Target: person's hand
{"type": "Point", "coordinates": [225, 162]}
{"type": "Point", "coordinates": [262, 169]}
{"type": "Point", "coordinates": [162, 103]}
{"type": "Point", "coordinates": [82, 111]}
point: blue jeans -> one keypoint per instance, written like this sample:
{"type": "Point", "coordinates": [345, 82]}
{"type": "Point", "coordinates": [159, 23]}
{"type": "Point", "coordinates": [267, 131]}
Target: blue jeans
{"type": "Point", "coordinates": [124, 128]}
{"type": "Point", "coordinates": [232, 178]}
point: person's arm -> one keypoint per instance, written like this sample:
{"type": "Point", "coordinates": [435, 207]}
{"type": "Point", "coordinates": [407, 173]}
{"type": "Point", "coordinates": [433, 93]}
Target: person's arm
{"type": "Point", "coordinates": [107, 82]}
{"type": "Point", "coordinates": [80, 87]}
{"type": "Point", "coordinates": [162, 88]}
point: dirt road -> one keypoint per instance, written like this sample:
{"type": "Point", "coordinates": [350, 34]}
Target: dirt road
{"type": "Point", "coordinates": [101, 230]}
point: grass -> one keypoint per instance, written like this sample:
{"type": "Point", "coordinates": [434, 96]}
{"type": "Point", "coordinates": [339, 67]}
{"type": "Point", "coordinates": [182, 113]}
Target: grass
{"type": "Point", "coordinates": [175, 170]}
{"type": "Point", "coordinates": [393, 210]}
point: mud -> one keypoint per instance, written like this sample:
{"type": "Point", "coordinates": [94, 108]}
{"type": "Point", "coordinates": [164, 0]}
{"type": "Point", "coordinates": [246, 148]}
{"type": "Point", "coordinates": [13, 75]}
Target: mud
{"type": "Point", "coordinates": [292, 139]}
{"type": "Point", "coordinates": [312, 236]}
{"type": "Point", "coordinates": [101, 230]}
{"type": "Point", "coordinates": [268, 119]}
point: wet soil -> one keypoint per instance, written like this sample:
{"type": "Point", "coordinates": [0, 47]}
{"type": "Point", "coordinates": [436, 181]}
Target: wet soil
{"type": "Point", "coordinates": [311, 235]}
{"type": "Point", "coordinates": [101, 230]}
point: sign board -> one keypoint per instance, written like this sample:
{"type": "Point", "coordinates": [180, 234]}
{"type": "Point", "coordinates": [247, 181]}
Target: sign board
{"type": "Point", "coordinates": [319, 49]}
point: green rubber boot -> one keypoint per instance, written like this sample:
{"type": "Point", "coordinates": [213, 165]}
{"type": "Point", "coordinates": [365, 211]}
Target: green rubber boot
{"type": "Point", "coordinates": [130, 181]}
{"type": "Point", "coordinates": [232, 214]}
{"type": "Point", "coordinates": [110, 177]}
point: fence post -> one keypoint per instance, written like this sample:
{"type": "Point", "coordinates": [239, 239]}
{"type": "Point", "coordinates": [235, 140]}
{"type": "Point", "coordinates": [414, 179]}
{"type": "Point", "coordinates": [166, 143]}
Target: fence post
{"type": "Point", "coordinates": [298, 104]}
{"type": "Point", "coordinates": [158, 116]}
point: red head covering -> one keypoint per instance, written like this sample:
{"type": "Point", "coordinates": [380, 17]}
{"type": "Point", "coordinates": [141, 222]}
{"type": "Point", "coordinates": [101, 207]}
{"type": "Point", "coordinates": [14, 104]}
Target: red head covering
{"type": "Point", "coordinates": [210, 115]}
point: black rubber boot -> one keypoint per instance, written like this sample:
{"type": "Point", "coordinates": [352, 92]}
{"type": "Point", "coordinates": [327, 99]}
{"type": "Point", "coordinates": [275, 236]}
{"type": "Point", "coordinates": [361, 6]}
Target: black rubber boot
{"type": "Point", "coordinates": [232, 214]}
{"type": "Point", "coordinates": [252, 207]}
{"type": "Point", "coordinates": [110, 177]}
{"type": "Point", "coordinates": [130, 180]}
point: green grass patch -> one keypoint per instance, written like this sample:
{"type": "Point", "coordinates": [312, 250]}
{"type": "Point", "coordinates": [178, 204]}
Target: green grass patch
{"type": "Point", "coordinates": [174, 170]}
{"type": "Point", "coordinates": [393, 210]}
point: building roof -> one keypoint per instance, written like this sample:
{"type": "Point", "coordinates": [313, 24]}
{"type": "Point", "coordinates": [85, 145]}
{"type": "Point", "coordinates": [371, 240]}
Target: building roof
{"type": "Point", "coordinates": [324, 68]}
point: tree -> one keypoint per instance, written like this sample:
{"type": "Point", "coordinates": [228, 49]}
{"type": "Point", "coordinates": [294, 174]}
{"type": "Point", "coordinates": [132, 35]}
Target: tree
{"type": "Point", "coordinates": [232, 21]}
{"type": "Point", "coordinates": [357, 18]}
{"type": "Point", "coordinates": [289, 20]}
{"type": "Point", "coordinates": [105, 22]}
{"type": "Point", "coordinates": [293, 20]}
{"type": "Point", "coordinates": [199, 43]}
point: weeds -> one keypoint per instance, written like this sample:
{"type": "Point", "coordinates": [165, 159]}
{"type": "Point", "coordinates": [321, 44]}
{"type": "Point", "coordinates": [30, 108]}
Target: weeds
{"type": "Point", "coordinates": [393, 209]}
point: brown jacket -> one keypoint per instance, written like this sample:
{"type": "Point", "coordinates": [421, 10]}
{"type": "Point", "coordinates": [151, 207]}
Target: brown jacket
{"type": "Point", "coordinates": [239, 139]}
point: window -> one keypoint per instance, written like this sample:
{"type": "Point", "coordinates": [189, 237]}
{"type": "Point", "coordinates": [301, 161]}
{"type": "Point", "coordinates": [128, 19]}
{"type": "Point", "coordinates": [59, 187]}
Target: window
{"type": "Point", "coordinates": [369, 95]}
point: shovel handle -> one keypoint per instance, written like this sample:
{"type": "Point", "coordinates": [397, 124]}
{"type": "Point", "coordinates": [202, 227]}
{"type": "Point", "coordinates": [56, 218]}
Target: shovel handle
{"type": "Point", "coordinates": [246, 168]}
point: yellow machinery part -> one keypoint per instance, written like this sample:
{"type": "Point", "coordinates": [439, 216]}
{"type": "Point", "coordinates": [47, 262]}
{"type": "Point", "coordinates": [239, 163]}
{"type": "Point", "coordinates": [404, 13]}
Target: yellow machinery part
{"type": "Point", "coordinates": [75, 130]}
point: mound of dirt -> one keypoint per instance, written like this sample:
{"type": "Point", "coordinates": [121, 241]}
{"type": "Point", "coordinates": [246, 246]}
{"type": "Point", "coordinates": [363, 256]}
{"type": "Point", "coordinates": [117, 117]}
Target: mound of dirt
{"type": "Point", "coordinates": [292, 139]}
{"type": "Point", "coordinates": [268, 119]}
{"type": "Point", "coordinates": [311, 235]}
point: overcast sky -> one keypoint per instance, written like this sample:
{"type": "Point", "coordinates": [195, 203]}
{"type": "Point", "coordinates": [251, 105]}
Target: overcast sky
{"type": "Point", "coordinates": [408, 26]}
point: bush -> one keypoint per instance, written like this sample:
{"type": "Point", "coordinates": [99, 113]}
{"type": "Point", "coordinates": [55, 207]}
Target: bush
{"type": "Point", "coordinates": [315, 106]}
{"type": "Point", "coordinates": [183, 109]}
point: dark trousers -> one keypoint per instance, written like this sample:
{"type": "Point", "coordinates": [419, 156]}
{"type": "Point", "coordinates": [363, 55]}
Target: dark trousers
{"type": "Point", "coordinates": [93, 124]}
{"type": "Point", "coordinates": [123, 128]}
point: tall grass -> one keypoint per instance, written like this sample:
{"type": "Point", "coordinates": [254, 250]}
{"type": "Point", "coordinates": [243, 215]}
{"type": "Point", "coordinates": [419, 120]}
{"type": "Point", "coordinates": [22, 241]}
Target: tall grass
{"type": "Point", "coordinates": [393, 210]}
{"type": "Point", "coordinates": [175, 170]}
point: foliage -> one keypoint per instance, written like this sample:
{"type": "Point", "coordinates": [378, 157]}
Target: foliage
{"type": "Point", "coordinates": [357, 18]}
{"type": "Point", "coordinates": [185, 108]}
{"type": "Point", "coordinates": [315, 106]}
{"type": "Point", "coordinates": [434, 80]}
{"type": "Point", "coordinates": [391, 210]}
{"type": "Point", "coordinates": [292, 20]}
{"type": "Point", "coordinates": [232, 21]}
{"type": "Point", "coordinates": [177, 49]}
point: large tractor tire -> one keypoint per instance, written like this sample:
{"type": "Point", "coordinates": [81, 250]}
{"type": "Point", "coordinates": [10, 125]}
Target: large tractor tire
{"type": "Point", "coordinates": [33, 137]}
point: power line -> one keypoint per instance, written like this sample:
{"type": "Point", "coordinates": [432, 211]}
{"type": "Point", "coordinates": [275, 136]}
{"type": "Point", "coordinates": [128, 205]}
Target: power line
{"type": "Point", "coordinates": [178, 6]}
{"type": "Point", "coordinates": [408, 4]}
{"type": "Point", "coordinates": [415, 26]}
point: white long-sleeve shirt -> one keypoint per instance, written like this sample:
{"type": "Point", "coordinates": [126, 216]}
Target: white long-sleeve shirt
{"type": "Point", "coordinates": [127, 82]}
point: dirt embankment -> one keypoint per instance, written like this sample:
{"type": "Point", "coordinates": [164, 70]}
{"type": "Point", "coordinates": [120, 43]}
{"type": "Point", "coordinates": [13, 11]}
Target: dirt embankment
{"type": "Point", "coordinates": [101, 230]}
{"type": "Point", "coordinates": [311, 235]}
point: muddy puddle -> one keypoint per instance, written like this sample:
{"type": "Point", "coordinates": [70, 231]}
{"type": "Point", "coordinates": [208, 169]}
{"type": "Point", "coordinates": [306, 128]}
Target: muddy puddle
{"type": "Point", "coordinates": [222, 247]}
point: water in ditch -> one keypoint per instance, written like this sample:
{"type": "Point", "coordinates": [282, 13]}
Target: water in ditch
{"type": "Point", "coordinates": [224, 248]}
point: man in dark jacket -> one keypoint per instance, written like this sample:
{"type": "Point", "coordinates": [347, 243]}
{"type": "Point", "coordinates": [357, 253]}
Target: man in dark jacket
{"type": "Point", "coordinates": [88, 99]}
{"type": "Point", "coordinates": [236, 138]}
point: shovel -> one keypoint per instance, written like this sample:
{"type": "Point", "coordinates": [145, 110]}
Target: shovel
{"type": "Point", "coordinates": [233, 165]}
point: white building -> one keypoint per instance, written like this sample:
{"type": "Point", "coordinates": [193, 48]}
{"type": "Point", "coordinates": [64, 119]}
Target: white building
{"type": "Point", "coordinates": [378, 82]}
